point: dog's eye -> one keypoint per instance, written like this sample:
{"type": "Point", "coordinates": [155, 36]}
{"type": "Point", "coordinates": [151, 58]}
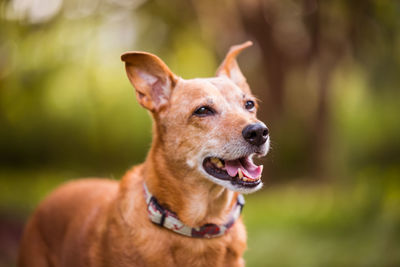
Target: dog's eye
{"type": "Point", "coordinates": [204, 111]}
{"type": "Point", "coordinates": [250, 105]}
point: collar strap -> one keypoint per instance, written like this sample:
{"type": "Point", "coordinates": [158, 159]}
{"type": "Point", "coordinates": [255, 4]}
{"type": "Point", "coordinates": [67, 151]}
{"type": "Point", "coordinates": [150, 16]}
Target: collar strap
{"type": "Point", "coordinates": [168, 219]}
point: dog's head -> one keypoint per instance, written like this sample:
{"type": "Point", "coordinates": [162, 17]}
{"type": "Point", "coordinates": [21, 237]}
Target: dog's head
{"type": "Point", "coordinates": [206, 126]}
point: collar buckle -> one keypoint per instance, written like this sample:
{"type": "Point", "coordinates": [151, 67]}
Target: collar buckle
{"type": "Point", "coordinates": [154, 203]}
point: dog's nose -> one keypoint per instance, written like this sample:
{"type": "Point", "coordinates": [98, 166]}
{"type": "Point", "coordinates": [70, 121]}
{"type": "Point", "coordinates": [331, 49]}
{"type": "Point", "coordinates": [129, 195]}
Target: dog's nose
{"type": "Point", "coordinates": [256, 133]}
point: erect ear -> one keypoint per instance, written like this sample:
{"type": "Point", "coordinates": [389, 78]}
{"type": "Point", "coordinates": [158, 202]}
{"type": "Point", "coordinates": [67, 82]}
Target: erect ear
{"type": "Point", "coordinates": [151, 78]}
{"type": "Point", "coordinates": [230, 68]}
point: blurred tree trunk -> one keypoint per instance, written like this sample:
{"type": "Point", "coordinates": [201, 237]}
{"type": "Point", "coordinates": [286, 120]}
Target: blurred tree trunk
{"type": "Point", "coordinates": [252, 14]}
{"type": "Point", "coordinates": [263, 20]}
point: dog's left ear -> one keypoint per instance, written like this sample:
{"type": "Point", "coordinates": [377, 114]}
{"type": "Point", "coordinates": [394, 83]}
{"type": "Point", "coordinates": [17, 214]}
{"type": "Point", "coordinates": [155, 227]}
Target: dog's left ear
{"type": "Point", "coordinates": [151, 78]}
{"type": "Point", "coordinates": [230, 68]}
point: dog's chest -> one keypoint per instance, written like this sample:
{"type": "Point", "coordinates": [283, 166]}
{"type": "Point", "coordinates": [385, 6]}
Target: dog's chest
{"type": "Point", "coordinates": [201, 252]}
{"type": "Point", "coordinates": [165, 248]}
{"type": "Point", "coordinates": [221, 251]}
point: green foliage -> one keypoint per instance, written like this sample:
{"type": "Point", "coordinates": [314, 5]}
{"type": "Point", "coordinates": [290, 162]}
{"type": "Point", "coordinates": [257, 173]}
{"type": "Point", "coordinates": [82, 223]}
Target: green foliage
{"type": "Point", "coordinates": [303, 225]}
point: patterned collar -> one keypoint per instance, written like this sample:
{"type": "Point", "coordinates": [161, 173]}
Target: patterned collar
{"type": "Point", "coordinates": [168, 219]}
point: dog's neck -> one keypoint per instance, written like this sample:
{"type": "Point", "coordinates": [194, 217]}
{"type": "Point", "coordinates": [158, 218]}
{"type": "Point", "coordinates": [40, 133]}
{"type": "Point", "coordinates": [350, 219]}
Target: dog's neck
{"type": "Point", "coordinates": [196, 201]}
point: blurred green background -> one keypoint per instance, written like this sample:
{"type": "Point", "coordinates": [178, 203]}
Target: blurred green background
{"type": "Point", "coordinates": [327, 74]}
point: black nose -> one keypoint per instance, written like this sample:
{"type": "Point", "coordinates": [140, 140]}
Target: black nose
{"type": "Point", "coordinates": [256, 133]}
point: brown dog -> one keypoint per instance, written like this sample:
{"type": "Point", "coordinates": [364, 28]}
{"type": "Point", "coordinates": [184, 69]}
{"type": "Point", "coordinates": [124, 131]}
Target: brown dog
{"type": "Point", "coordinates": [181, 207]}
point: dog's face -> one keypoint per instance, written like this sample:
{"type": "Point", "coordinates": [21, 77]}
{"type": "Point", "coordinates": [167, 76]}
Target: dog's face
{"type": "Point", "coordinates": [208, 126]}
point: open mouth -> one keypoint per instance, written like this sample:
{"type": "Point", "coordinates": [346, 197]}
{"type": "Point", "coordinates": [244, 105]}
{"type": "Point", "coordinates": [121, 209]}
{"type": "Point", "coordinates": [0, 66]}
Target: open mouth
{"type": "Point", "coordinates": [241, 171]}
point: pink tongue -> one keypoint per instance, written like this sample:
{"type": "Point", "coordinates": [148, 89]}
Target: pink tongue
{"type": "Point", "coordinates": [249, 169]}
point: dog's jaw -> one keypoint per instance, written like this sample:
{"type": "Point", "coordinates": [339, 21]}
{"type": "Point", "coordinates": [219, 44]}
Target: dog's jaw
{"type": "Point", "coordinates": [198, 164]}
{"type": "Point", "coordinates": [229, 185]}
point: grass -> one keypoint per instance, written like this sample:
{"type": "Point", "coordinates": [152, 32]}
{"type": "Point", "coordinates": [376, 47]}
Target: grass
{"type": "Point", "coordinates": [322, 226]}
{"type": "Point", "coordinates": [289, 225]}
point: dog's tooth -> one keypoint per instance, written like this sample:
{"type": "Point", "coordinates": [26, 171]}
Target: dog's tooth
{"type": "Point", "coordinates": [240, 173]}
{"type": "Point", "coordinates": [214, 160]}
{"type": "Point", "coordinates": [217, 162]}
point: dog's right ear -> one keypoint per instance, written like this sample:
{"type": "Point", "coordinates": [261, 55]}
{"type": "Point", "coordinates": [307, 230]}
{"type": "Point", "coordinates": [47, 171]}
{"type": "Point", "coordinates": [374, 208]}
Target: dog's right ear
{"type": "Point", "coordinates": [230, 68]}
{"type": "Point", "coordinates": [151, 78]}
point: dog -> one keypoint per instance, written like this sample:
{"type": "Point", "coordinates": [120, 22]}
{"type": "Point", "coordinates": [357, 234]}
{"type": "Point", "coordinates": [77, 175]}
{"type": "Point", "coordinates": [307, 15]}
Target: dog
{"type": "Point", "coordinates": [182, 206]}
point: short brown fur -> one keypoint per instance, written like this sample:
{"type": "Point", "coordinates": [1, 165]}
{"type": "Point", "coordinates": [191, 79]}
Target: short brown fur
{"type": "Point", "coordinates": [98, 222]}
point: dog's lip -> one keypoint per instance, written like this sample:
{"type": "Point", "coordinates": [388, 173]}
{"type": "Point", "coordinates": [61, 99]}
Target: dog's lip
{"type": "Point", "coordinates": [247, 173]}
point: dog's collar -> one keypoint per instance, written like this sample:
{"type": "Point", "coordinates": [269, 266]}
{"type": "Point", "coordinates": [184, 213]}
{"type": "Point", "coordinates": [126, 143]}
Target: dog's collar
{"type": "Point", "coordinates": [168, 219]}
